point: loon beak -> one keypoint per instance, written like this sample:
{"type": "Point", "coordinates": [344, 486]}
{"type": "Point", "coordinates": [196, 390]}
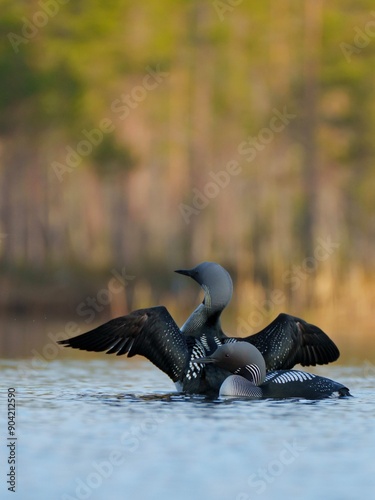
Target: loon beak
{"type": "Point", "coordinates": [186, 272]}
{"type": "Point", "coordinates": [205, 360]}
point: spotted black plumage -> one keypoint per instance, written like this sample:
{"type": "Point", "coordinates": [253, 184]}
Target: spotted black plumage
{"type": "Point", "coordinates": [285, 376]}
{"type": "Point", "coordinates": [288, 341]}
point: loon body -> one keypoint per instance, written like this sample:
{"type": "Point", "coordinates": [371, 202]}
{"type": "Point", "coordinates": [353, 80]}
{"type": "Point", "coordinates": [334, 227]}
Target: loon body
{"type": "Point", "coordinates": [249, 378]}
{"type": "Point", "coordinates": [153, 333]}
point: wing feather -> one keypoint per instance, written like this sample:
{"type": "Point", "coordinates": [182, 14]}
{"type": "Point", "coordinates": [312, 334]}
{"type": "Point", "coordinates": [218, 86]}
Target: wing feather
{"type": "Point", "coordinates": [288, 341]}
{"type": "Point", "coordinates": [148, 332]}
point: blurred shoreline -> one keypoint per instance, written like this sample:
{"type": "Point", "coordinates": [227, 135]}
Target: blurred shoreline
{"type": "Point", "coordinates": [34, 316]}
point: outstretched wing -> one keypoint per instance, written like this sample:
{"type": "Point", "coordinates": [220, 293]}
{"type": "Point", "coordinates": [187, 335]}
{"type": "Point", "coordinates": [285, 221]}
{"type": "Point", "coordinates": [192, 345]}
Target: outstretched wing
{"type": "Point", "coordinates": [289, 340]}
{"type": "Point", "coordinates": [149, 332]}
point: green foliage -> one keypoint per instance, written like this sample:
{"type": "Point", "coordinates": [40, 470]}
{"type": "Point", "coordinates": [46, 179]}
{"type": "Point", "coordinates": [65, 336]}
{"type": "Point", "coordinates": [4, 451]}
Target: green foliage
{"type": "Point", "coordinates": [110, 157]}
{"type": "Point", "coordinates": [227, 68]}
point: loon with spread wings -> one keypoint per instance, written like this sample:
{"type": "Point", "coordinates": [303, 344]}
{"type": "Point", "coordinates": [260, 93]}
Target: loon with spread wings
{"type": "Point", "coordinates": [153, 333]}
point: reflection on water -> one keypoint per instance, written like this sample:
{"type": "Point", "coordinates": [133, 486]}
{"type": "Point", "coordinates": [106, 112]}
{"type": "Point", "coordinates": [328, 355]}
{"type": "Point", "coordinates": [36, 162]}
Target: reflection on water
{"type": "Point", "coordinates": [101, 429]}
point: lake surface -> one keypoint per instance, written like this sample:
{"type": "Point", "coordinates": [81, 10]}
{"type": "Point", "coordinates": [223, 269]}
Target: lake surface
{"type": "Point", "coordinates": [94, 429]}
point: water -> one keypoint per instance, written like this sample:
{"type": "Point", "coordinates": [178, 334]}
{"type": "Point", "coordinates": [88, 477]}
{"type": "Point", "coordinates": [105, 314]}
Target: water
{"type": "Point", "coordinates": [94, 429]}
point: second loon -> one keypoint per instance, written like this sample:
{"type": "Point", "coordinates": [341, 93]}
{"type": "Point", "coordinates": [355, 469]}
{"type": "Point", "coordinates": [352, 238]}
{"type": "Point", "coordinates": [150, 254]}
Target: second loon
{"type": "Point", "coordinates": [153, 333]}
{"type": "Point", "coordinates": [249, 377]}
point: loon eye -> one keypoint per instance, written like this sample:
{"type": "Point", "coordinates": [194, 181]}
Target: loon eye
{"type": "Point", "coordinates": [227, 355]}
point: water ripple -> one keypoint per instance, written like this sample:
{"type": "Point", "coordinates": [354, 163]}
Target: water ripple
{"type": "Point", "coordinates": [102, 428]}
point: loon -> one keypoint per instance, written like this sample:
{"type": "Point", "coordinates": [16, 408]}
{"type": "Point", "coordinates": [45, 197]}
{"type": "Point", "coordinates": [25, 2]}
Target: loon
{"type": "Point", "coordinates": [250, 379]}
{"type": "Point", "coordinates": [153, 333]}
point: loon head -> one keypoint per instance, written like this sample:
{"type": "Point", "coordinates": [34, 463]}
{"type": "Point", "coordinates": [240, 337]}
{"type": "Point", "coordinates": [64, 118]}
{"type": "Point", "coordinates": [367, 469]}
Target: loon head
{"type": "Point", "coordinates": [240, 358]}
{"type": "Point", "coordinates": [215, 281]}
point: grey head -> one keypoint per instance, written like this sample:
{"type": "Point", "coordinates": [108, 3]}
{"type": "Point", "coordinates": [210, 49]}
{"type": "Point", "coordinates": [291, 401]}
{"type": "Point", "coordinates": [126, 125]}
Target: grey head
{"type": "Point", "coordinates": [215, 281]}
{"type": "Point", "coordinates": [240, 358]}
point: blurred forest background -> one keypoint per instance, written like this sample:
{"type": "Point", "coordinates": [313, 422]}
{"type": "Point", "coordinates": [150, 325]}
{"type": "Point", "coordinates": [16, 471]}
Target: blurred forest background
{"type": "Point", "coordinates": [140, 138]}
